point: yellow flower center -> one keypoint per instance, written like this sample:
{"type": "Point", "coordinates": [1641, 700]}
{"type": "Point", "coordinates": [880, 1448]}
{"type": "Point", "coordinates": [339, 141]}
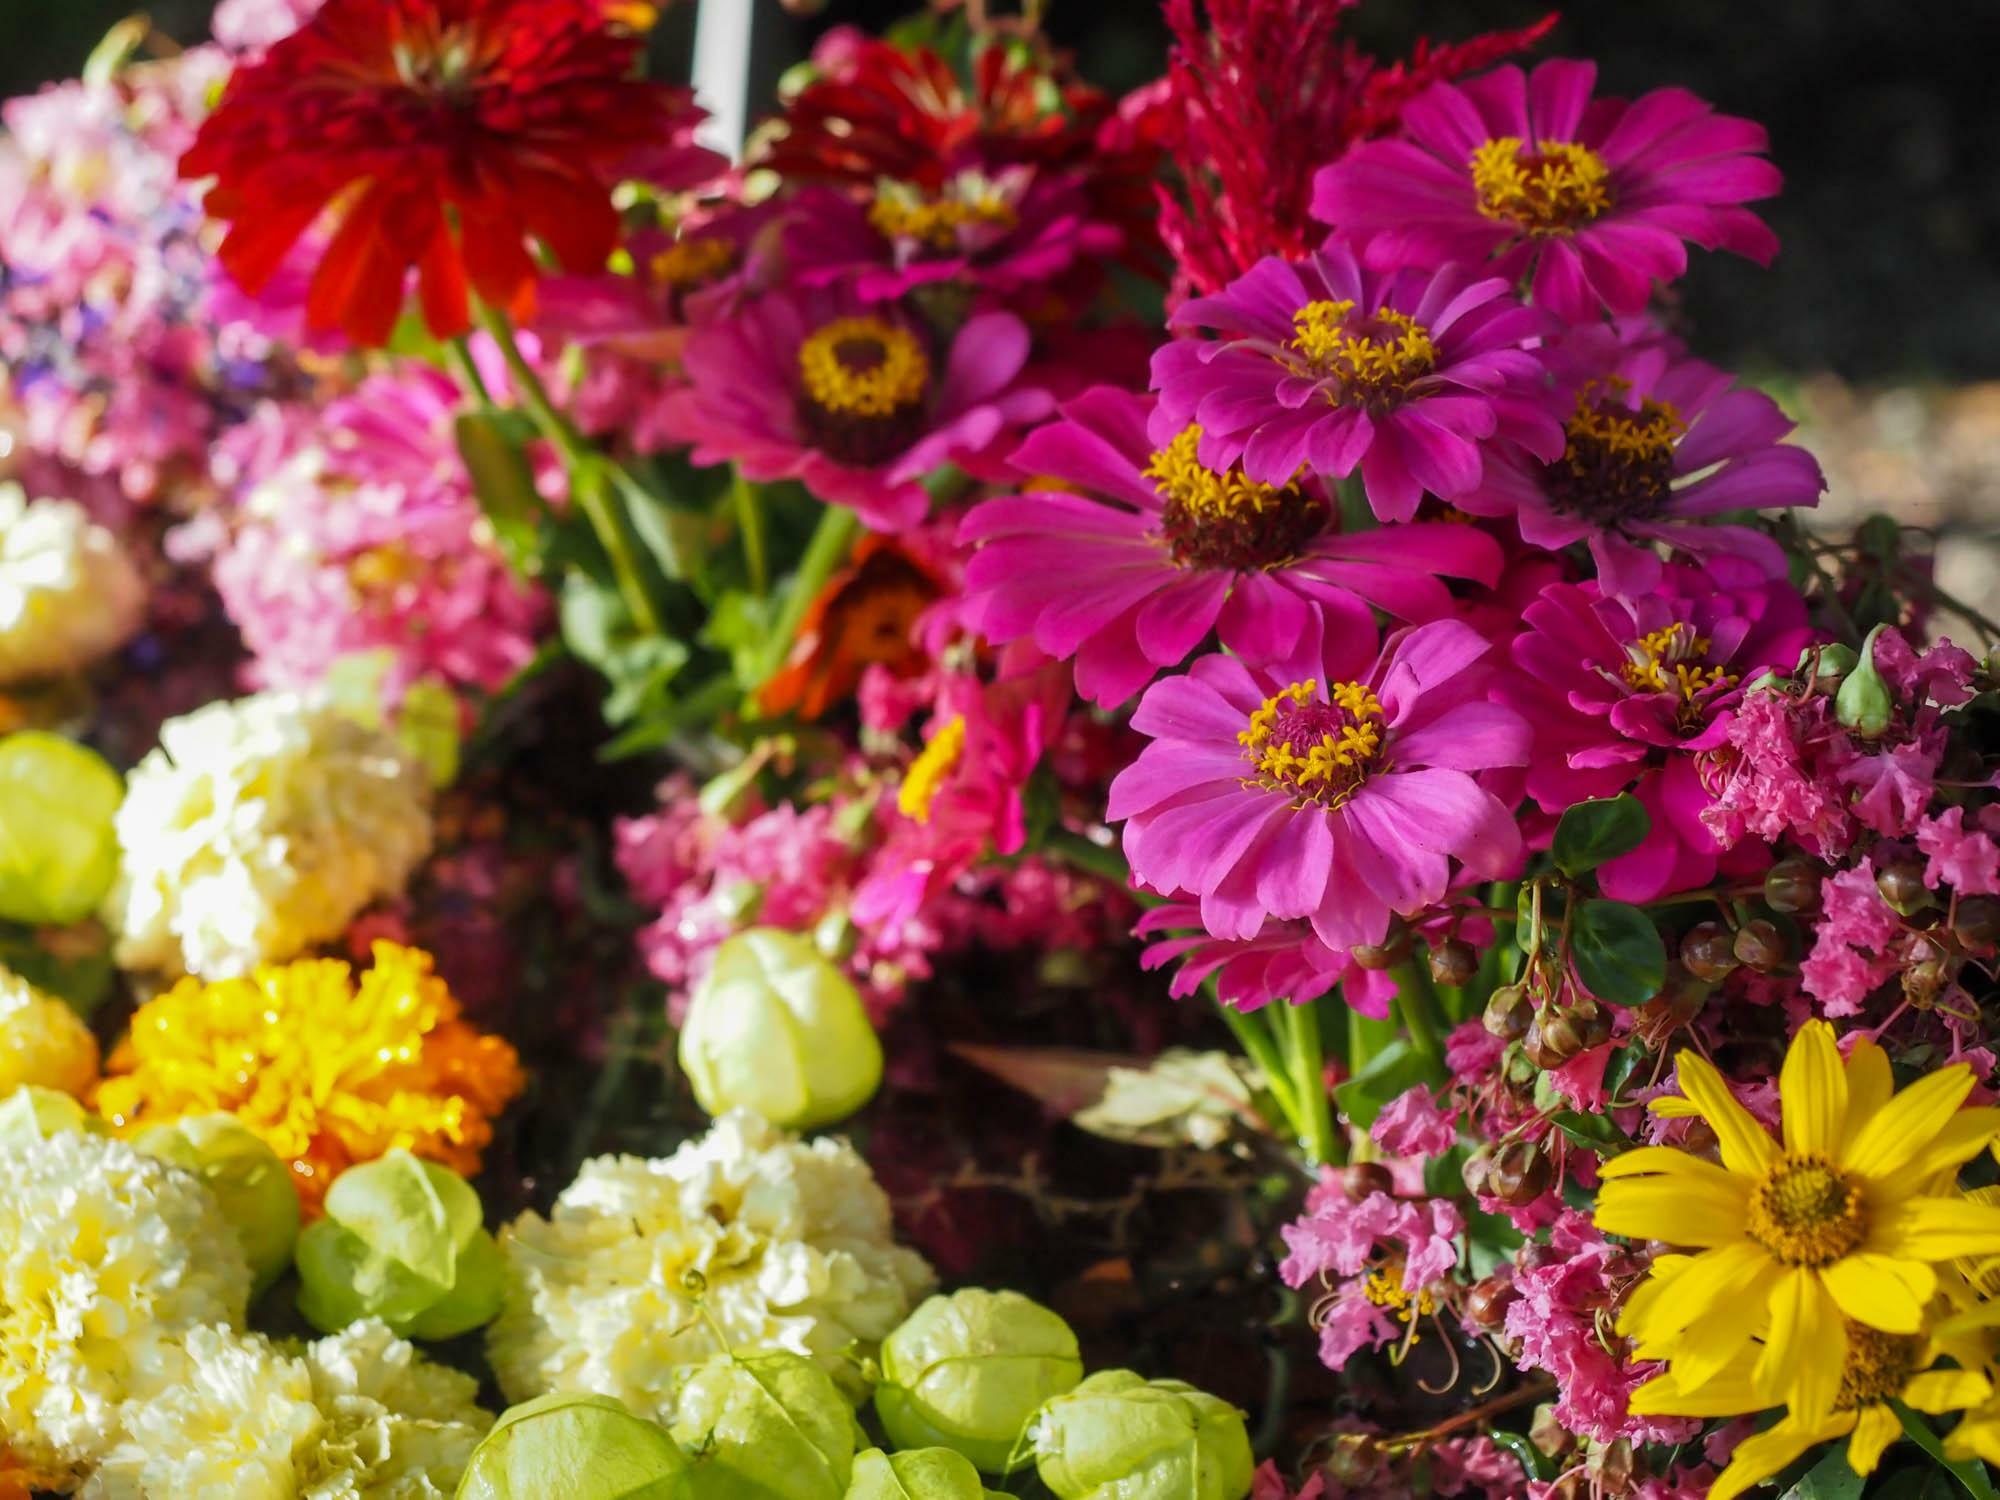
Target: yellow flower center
{"type": "Point", "coordinates": [1321, 750]}
{"type": "Point", "coordinates": [1673, 660]}
{"type": "Point", "coordinates": [1384, 1288]}
{"type": "Point", "coordinates": [1618, 463]}
{"type": "Point", "coordinates": [1549, 189]}
{"type": "Point", "coordinates": [902, 215]}
{"type": "Point", "coordinates": [927, 773]}
{"type": "Point", "coordinates": [1877, 1367]}
{"type": "Point", "coordinates": [381, 569]}
{"type": "Point", "coordinates": [863, 383]}
{"type": "Point", "coordinates": [1806, 1213]}
{"type": "Point", "coordinates": [1228, 520]}
{"type": "Point", "coordinates": [1370, 358]}
{"type": "Point", "coordinates": [687, 264]}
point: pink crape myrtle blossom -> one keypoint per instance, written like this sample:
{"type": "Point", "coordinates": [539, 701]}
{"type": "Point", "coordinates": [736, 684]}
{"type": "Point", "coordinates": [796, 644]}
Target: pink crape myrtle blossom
{"type": "Point", "coordinates": [1379, 1257]}
{"type": "Point", "coordinates": [1591, 199]}
{"type": "Point", "coordinates": [1341, 799]}
{"type": "Point", "coordinates": [857, 401]}
{"type": "Point", "coordinates": [1623, 693]}
{"type": "Point", "coordinates": [1146, 550]}
{"type": "Point", "coordinates": [1656, 444]}
{"type": "Point", "coordinates": [1404, 375]}
{"type": "Point", "coordinates": [1411, 1124]}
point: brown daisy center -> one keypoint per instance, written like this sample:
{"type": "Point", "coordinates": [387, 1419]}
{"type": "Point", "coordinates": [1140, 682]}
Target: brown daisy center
{"type": "Point", "coordinates": [1807, 1213]}
{"type": "Point", "coordinates": [1877, 1367]}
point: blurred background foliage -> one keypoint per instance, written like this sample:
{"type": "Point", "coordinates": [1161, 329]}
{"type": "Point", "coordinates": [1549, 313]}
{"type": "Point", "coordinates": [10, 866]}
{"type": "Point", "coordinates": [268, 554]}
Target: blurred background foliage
{"type": "Point", "coordinates": [1884, 117]}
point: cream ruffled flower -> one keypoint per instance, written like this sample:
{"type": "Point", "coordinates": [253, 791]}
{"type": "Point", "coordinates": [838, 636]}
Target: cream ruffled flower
{"type": "Point", "coordinates": [785, 1244]}
{"type": "Point", "coordinates": [68, 593]}
{"type": "Point", "coordinates": [258, 829]}
{"type": "Point", "coordinates": [107, 1258]}
{"type": "Point", "coordinates": [359, 1416]}
{"type": "Point", "coordinates": [42, 1041]}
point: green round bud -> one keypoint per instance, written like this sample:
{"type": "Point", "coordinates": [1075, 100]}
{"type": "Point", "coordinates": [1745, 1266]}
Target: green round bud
{"type": "Point", "coordinates": [968, 1372]}
{"type": "Point", "coordinates": [765, 1426]}
{"type": "Point", "coordinates": [1119, 1436]}
{"type": "Point", "coordinates": [401, 1241]}
{"type": "Point", "coordinates": [576, 1447]}
{"type": "Point", "coordinates": [57, 803]}
{"type": "Point", "coordinates": [915, 1474]}
{"type": "Point", "coordinates": [778, 1029]}
{"type": "Point", "coordinates": [1864, 703]}
{"type": "Point", "coordinates": [33, 1113]}
{"type": "Point", "coordinates": [248, 1180]}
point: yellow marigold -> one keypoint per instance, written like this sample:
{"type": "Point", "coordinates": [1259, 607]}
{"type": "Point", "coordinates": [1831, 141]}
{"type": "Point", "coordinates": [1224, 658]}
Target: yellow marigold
{"type": "Point", "coordinates": [42, 1041]}
{"type": "Point", "coordinates": [329, 1071]}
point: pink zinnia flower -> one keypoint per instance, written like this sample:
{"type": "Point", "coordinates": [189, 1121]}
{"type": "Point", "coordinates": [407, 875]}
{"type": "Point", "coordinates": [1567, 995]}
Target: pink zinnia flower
{"type": "Point", "coordinates": [1151, 550]}
{"type": "Point", "coordinates": [1592, 198]}
{"type": "Point", "coordinates": [1342, 799]}
{"type": "Point", "coordinates": [1326, 366]}
{"type": "Point", "coordinates": [1655, 444]}
{"type": "Point", "coordinates": [1623, 692]}
{"type": "Point", "coordinates": [857, 401]}
{"type": "Point", "coordinates": [1281, 961]}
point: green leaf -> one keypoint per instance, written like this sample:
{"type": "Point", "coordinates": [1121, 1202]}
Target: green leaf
{"type": "Point", "coordinates": [1536, 1464]}
{"type": "Point", "coordinates": [1389, 1072]}
{"type": "Point", "coordinates": [1618, 952]}
{"type": "Point", "coordinates": [1592, 832]}
{"type": "Point", "coordinates": [1829, 1479]}
{"type": "Point", "coordinates": [1971, 1475]}
{"type": "Point", "coordinates": [1592, 1132]}
{"type": "Point", "coordinates": [504, 483]}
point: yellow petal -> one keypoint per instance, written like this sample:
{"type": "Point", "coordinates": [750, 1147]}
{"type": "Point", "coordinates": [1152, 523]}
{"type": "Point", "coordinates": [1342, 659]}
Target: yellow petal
{"type": "Point", "coordinates": [1812, 1088]}
{"type": "Point", "coordinates": [1883, 1293]}
{"type": "Point", "coordinates": [1678, 1210]}
{"type": "Point", "coordinates": [1938, 1391]}
{"type": "Point", "coordinates": [1802, 1358]}
{"type": "Point", "coordinates": [1869, 1085]}
{"type": "Point", "coordinates": [1935, 1168]}
{"type": "Point", "coordinates": [1724, 1332]}
{"type": "Point", "coordinates": [1663, 1161]}
{"type": "Point", "coordinates": [1902, 1128]}
{"type": "Point", "coordinates": [1763, 1454]}
{"type": "Point", "coordinates": [1978, 1436]}
{"type": "Point", "coordinates": [1746, 1146]}
{"type": "Point", "coordinates": [1668, 1395]}
{"type": "Point", "coordinates": [1674, 1107]}
{"type": "Point", "coordinates": [1934, 1229]}
{"type": "Point", "coordinates": [1875, 1428]}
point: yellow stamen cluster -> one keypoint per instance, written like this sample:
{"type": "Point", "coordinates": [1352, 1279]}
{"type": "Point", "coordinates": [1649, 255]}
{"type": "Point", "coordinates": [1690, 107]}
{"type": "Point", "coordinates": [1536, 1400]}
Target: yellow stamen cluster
{"type": "Point", "coordinates": [1384, 1288]}
{"type": "Point", "coordinates": [1604, 427]}
{"type": "Point", "coordinates": [1806, 1213]}
{"type": "Point", "coordinates": [1378, 352]}
{"type": "Point", "coordinates": [1878, 1365]}
{"type": "Point", "coordinates": [1547, 190]}
{"type": "Point", "coordinates": [927, 773]}
{"type": "Point", "coordinates": [1204, 494]}
{"type": "Point", "coordinates": [1672, 660]}
{"type": "Point", "coordinates": [896, 216]}
{"type": "Point", "coordinates": [1327, 768]}
{"type": "Point", "coordinates": [863, 367]}
{"type": "Point", "coordinates": [381, 569]}
{"type": "Point", "coordinates": [691, 263]}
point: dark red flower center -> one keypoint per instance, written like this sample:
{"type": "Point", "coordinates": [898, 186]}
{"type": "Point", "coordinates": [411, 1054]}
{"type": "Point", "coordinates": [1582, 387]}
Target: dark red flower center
{"type": "Point", "coordinates": [864, 385]}
{"type": "Point", "coordinates": [1227, 520]}
{"type": "Point", "coordinates": [1618, 464]}
{"type": "Point", "coordinates": [1317, 749]}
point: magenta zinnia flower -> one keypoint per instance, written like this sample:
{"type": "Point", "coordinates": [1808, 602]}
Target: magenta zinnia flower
{"type": "Point", "coordinates": [1152, 550]}
{"type": "Point", "coordinates": [1592, 198]}
{"type": "Point", "coordinates": [1623, 693]}
{"type": "Point", "coordinates": [1655, 444]}
{"type": "Point", "coordinates": [1342, 799]}
{"type": "Point", "coordinates": [856, 401]}
{"type": "Point", "coordinates": [1325, 366]}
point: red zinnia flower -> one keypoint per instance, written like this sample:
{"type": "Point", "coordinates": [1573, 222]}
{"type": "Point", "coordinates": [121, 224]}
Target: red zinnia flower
{"type": "Point", "coordinates": [444, 135]}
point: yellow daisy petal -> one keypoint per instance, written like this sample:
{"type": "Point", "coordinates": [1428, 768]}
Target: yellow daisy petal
{"type": "Point", "coordinates": [1869, 1085]}
{"type": "Point", "coordinates": [1935, 1168]}
{"type": "Point", "coordinates": [1938, 1391]}
{"type": "Point", "coordinates": [1669, 1394]}
{"type": "Point", "coordinates": [1674, 1107]}
{"type": "Point", "coordinates": [1883, 1293]}
{"type": "Point", "coordinates": [1723, 1332]}
{"type": "Point", "coordinates": [1902, 1128]}
{"type": "Point", "coordinates": [1875, 1428]}
{"type": "Point", "coordinates": [1933, 1229]}
{"type": "Point", "coordinates": [1746, 1146]}
{"type": "Point", "coordinates": [1662, 1160]}
{"type": "Point", "coordinates": [1680, 1210]}
{"type": "Point", "coordinates": [1978, 1436]}
{"type": "Point", "coordinates": [1763, 1454]}
{"type": "Point", "coordinates": [1805, 1349]}
{"type": "Point", "coordinates": [1812, 1088]}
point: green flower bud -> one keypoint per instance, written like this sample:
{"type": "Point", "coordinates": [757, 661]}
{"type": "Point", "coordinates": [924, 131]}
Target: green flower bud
{"type": "Point", "coordinates": [1833, 660]}
{"type": "Point", "coordinates": [578, 1447]}
{"type": "Point", "coordinates": [765, 1426]}
{"type": "Point", "coordinates": [33, 1113]}
{"type": "Point", "coordinates": [915, 1474]}
{"type": "Point", "coordinates": [248, 1180]}
{"type": "Point", "coordinates": [57, 802]}
{"type": "Point", "coordinates": [1119, 1436]}
{"type": "Point", "coordinates": [401, 1241]}
{"type": "Point", "coordinates": [1864, 703]}
{"type": "Point", "coordinates": [778, 1029]}
{"type": "Point", "coordinates": [968, 1371]}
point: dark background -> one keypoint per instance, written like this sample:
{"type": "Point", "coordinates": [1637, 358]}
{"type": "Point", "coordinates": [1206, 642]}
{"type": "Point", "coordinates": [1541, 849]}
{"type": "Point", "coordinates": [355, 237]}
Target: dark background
{"type": "Point", "coordinates": [1884, 115]}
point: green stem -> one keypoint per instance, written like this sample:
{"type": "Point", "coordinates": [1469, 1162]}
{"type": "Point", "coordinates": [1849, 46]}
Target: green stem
{"type": "Point", "coordinates": [1256, 1042]}
{"type": "Point", "coordinates": [1971, 1474]}
{"type": "Point", "coordinates": [1987, 626]}
{"type": "Point", "coordinates": [1829, 590]}
{"type": "Point", "coordinates": [1417, 1004]}
{"type": "Point", "coordinates": [1072, 848]}
{"type": "Point", "coordinates": [750, 522]}
{"type": "Point", "coordinates": [468, 369]}
{"type": "Point", "coordinates": [827, 550]}
{"type": "Point", "coordinates": [1306, 1051]}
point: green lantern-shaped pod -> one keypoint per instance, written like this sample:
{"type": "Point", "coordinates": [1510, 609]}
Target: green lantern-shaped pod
{"type": "Point", "coordinates": [915, 1474]}
{"type": "Point", "coordinates": [1119, 1436]}
{"type": "Point", "coordinates": [33, 1113]}
{"type": "Point", "coordinates": [574, 1447]}
{"type": "Point", "coordinates": [57, 802]}
{"type": "Point", "coordinates": [778, 1029]}
{"type": "Point", "coordinates": [247, 1178]}
{"type": "Point", "coordinates": [968, 1371]}
{"type": "Point", "coordinates": [765, 1426]}
{"type": "Point", "coordinates": [401, 1241]}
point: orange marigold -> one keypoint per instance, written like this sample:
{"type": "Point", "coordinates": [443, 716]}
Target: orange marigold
{"type": "Point", "coordinates": [330, 1071]}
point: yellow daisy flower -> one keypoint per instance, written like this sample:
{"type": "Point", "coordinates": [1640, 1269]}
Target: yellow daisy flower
{"type": "Point", "coordinates": [1838, 1224]}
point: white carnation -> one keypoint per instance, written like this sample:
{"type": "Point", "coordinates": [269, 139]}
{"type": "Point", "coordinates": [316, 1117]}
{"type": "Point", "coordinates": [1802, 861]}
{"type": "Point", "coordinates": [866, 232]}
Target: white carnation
{"type": "Point", "coordinates": [257, 830]}
{"type": "Point", "coordinates": [782, 1243]}
{"type": "Point", "coordinates": [397, 1426]}
{"type": "Point", "coordinates": [68, 593]}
